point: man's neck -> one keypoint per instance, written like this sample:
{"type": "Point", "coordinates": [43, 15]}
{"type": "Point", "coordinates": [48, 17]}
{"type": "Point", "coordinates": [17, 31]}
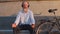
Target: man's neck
{"type": "Point", "coordinates": [25, 10]}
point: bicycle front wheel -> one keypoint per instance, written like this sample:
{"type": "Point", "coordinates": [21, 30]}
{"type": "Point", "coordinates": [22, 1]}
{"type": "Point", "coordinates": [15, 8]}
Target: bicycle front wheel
{"type": "Point", "coordinates": [44, 28]}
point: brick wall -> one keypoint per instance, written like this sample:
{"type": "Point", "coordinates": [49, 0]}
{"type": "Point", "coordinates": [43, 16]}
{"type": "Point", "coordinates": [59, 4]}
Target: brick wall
{"type": "Point", "coordinates": [29, 0]}
{"type": "Point", "coordinates": [38, 7]}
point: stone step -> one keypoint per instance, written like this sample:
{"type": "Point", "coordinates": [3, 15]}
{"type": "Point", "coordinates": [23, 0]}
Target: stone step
{"type": "Point", "coordinates": [26, 32]}
{"type": "Point", "coordinates": [11, 32]}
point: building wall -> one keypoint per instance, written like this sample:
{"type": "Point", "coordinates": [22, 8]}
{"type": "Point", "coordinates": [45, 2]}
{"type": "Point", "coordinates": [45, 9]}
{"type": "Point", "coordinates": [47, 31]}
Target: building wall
{"type": "Point", "coordinates": [29, 0]}
{"type": "Point", "coordinates": [38, 7]}
{"type": "Point", "coordinates": [8, 0]}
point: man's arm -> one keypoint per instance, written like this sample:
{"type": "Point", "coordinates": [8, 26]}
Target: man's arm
{"type": "Point", "coordinates": [16, 21]}
{"type": "Point", "coordinates": [32, 20]}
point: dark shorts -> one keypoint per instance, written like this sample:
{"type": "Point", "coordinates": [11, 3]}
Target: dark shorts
{"type": "Point", "coordinates": [23, 27]}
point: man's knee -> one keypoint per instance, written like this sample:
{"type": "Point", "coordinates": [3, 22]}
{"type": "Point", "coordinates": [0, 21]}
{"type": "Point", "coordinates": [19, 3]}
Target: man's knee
{"type": "Point", "coordinates": [16, 29]}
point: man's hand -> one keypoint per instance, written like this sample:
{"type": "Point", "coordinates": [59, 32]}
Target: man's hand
{"type": "Point", "coordinates": [33, 26]}
{"type": "Point", "coordinates": [13, 25]}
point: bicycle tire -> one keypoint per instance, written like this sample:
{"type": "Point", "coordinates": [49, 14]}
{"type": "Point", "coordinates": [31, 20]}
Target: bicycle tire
{"type": "Point", "coordinates": [44, 27]}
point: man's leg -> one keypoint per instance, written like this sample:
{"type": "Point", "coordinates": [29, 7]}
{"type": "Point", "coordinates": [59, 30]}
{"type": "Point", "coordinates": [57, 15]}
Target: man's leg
{"type": "Point", "coordinates": [16, 30]}
{"type": "Point", "coordinates": [30, 29]}
{"type": "Point", "coordinates": [19, 28]}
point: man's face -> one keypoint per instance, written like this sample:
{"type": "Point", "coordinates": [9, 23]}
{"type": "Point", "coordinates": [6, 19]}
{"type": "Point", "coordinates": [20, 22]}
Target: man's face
{"type": "Point", "coordinates": [25, 5]}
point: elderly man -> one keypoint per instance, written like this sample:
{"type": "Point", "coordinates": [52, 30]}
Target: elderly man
{"type": "Point", "coordinates": [24, 20]}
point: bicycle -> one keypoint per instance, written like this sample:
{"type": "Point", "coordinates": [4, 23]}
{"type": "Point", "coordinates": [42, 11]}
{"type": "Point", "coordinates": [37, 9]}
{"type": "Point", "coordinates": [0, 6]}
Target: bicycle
{"type": "Point", "coordinates": [51, 23]}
